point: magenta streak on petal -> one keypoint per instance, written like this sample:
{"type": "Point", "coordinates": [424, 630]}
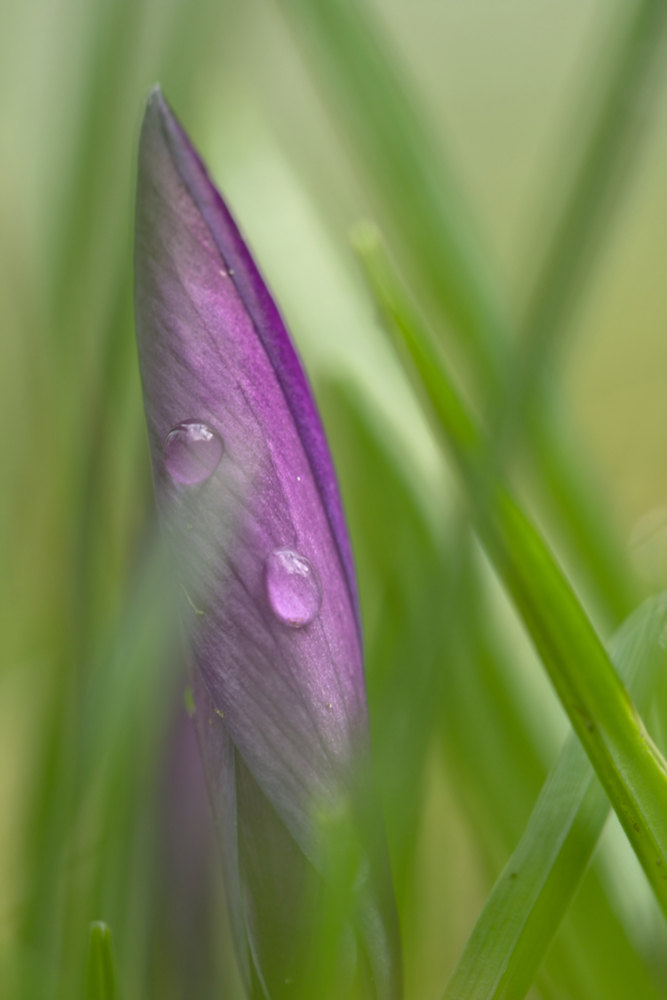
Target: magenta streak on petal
{"type": "Point", "coordinates": [270, 329]}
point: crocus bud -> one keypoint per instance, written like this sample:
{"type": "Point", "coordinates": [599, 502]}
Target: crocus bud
{"type": "Point", "coordinates": [247, 495]}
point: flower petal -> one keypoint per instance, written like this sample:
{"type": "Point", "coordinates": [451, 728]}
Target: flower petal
{"type": "Point", "coordinates": [214, 354]}
{"type": "Point", "coordinates": [248, 498]}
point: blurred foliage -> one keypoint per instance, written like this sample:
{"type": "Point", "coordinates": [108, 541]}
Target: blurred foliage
{"type": "Point", "coordinates": [513, 154]}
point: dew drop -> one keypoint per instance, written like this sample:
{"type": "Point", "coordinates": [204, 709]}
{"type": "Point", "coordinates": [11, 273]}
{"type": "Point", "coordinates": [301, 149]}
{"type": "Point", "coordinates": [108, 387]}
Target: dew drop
{"type": "Point", "coordinates": [192, 452]}
{"type": "Point", "coordinates": [292, 588]}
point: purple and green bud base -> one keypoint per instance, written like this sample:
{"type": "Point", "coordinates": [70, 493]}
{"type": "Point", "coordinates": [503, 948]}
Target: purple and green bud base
{"type": "Point", "coordinates": [249, 503]}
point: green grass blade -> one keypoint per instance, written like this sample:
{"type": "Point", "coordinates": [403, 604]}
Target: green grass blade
{"type": "Point", "coordinates": [419, 193]}
{"type": "Point", "coordinates": [611, 145]}
{"type": "Point", "coordinates": [536, 887]}
{"type": "Point", "coordinates": [101, 970]}
{"type": "Point", "coordinates": [462, 433]}
{"type": "Point", "coordinates": [401, 587]}
{"type": "Point", "coordinates": [411, 184]}
{"type": "Point", "coordinates": [493, 749]}
{"type": "Point", "coordinates": [569, 491]}
{"type": "Point", "coordinates": [87, 439]}
{"type": "Point", "coordinates": [488, 751]}
{"type": "Point", "coordinates": [629, 766]}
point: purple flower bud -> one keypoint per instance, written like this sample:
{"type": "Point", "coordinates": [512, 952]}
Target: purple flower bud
{"type": "Point", "coordinates": [248, 497]}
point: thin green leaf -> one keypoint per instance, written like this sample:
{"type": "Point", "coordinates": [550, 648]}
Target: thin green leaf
{"type": "Point", "coordinates": [532, 895]}
{"type": "Point", "coordinates": [101, 969]}
{"type": "Point", "coordinates": [629, 766]}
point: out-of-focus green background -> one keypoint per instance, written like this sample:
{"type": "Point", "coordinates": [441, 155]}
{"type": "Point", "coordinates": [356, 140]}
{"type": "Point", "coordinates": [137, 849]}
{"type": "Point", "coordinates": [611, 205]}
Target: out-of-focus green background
{"type": "Point", "coordinates": [101, 816]}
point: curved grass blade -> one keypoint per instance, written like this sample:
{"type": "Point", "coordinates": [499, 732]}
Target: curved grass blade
{"type": "Point", "coordinates": [101, 970]}
{"type": "Point", "coordinates": [534, 891]}
{"type": "Point", "coordinates": [629, 766]}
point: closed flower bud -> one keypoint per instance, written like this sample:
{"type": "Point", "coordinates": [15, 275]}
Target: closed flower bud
{"type": "Point", "coordinates": [247, 496]}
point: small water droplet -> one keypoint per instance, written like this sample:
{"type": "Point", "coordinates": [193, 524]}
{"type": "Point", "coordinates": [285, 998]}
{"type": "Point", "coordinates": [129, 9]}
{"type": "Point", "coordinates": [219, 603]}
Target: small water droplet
{"type": "Point", "coordinates": [292, 588]}
{"type": "Point", "coordinates": [192, 452]}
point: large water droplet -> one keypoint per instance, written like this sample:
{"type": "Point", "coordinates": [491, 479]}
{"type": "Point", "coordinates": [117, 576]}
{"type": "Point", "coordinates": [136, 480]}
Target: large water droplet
{"type": "Point", "coordinates": [192, 452]}
{"type": "Point", "coordinates": [292, 588]}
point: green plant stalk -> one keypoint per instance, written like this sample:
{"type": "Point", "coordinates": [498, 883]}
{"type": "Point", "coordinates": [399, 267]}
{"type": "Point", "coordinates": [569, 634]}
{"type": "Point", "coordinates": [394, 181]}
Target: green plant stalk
{"type": "Point", "coordinates": [630, 768]}
{"type": "Point", "coordinates": [534, 891]}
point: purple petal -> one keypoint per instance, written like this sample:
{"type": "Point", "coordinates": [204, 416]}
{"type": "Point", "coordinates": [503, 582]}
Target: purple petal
{"type": "Point", "coordinates": [215, 353]}
{"type": "Point", "coordinates": [268, 324]}
{"type": "Point", "coordinates": [247, 495]}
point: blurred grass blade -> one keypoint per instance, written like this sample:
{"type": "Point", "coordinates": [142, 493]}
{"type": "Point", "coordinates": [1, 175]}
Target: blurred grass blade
{"type": "Point", "coordinates": [86, 438]}
{"type": "Point", "coordinates": [605, 160]}
{"type": "Point", "coordinates": [463, 434]}
{"type": "Point", "coordinates": [538, 883]}
{"type": "Point", "coordinates": [418, 196]}
{"type": "Point", "coordinates": [404, 633]}
{"type": "Point", "coordinates": [492, 752]}
{"type": "Point", "coordinates": [419, 193]}
{"type": "Point", "coordinates": [436, 647]}
{"type": "Point", "coordinates": [411, 183]}
{"type": "Point", "coordinates": [101, 970]}
{"type": "Point", "coordinates": [568, 486]}
{"type": "Point", "coordinates": [629, 766]}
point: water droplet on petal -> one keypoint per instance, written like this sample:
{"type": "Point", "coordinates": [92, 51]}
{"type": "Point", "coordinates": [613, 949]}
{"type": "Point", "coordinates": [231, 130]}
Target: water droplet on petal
{"type": "Point", "coordinates": [292, 588]}
{"type": "Point", "coordinates": [192, 452]}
